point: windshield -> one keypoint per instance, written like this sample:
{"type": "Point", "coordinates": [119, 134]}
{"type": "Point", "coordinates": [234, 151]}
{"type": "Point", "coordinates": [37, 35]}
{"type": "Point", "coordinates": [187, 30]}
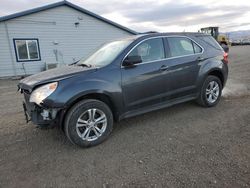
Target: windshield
{"type": "Point", "coordinates": [106, 54]}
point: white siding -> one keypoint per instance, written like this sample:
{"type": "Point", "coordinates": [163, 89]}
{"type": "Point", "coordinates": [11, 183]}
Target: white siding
{"type": "Point", "coordinates": [56, 24]}
{"type": "Point", "coordinates": [6, 68]}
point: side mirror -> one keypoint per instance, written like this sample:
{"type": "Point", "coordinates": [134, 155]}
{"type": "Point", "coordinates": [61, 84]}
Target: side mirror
{"type": "Point", "coordinates": [130, 61]}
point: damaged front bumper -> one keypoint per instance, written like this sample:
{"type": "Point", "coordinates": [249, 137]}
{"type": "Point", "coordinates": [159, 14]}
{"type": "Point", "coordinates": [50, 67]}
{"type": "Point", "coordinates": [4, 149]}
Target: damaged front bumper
{"type": "Point", "coordinates": [39, 115]}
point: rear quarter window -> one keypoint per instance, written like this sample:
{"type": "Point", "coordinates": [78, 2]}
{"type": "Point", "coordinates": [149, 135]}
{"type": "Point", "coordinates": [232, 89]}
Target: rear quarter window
{"type": "Point", "coordinates": [197, 49]}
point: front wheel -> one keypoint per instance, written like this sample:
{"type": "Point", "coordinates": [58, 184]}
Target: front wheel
{"type": "Point", "coordinates": [210, 92]}
{"type": "Point", "coordinates": [88, 123]}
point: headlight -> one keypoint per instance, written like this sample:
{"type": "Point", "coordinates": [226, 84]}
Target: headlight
{"type": "Point", "coordinates": [41, 93]}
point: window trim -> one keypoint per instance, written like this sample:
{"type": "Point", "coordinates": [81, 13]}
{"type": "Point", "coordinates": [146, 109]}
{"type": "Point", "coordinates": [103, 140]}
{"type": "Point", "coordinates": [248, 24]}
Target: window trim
{"type": "Point", "coordinates": [166, 58]}
{"type": "Point", "coordinates": [27, 39]}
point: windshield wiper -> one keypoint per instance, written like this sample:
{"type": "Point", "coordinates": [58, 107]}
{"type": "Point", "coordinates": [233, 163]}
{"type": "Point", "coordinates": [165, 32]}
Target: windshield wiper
{"type": "Point", "coordinates": [80, 64]}
{"type": "Point", "coordinates": [84, 65]}
{"type": "Point", "coordinates": [74, 62]}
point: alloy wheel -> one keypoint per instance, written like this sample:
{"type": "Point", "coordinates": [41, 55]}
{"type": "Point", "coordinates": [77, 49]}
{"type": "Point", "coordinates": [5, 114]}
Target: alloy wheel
{"type": "Point", "coordinates": [212, 91]}
{"type": "Point", "coordinates": [91, 124]}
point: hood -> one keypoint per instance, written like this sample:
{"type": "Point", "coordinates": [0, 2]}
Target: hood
{"type": "Point", "coordinates": [52, 75]}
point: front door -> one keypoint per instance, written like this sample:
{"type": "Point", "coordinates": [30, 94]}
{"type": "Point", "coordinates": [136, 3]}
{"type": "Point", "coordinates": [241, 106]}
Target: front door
{"type": "Point", "coordinates": [143, 84]}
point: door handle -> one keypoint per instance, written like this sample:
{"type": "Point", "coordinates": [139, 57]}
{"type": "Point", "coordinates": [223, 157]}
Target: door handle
{"type": "Point", "coordinates": [200, 59]}
{"type": "Point", "coordinates": [164, 67]}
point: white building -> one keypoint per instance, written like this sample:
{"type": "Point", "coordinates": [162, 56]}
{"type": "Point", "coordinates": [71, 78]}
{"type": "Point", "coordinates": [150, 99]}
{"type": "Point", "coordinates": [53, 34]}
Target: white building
{"type": "Point", "coordinates": [57, 33]}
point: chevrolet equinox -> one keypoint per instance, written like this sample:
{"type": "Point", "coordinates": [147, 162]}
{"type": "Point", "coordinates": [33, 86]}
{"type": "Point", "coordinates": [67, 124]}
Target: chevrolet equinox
{"type": "Point", "coordinates": [125, 78]}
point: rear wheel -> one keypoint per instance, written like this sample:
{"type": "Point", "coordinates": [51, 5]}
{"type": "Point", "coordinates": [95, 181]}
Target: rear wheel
{"type": "Point", "coordinates": [88, 123]}
{"type": "Point", "coordinates": [210, 92]}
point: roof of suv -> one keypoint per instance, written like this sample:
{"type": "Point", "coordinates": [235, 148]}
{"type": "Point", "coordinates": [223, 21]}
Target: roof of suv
{"type": "Point", "coordinates": [173, 33]}
{"type": "Point", "coordinates": [149, 35]}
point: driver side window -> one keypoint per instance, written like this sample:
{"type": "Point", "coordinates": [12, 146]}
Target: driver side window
{"type": "Point", "coordinates": [149, 50]}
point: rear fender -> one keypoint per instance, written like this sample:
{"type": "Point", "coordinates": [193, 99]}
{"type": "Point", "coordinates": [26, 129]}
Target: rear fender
{"type": "Point", "coordinates": [207, 67]}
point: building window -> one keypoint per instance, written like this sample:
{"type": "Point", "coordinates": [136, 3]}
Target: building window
{"type": "Point", "coordinates": [27, 50]}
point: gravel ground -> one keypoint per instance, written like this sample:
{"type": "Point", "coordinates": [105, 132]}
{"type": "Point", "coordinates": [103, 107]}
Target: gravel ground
{"type": "Point", "coordinates": [182, 146]}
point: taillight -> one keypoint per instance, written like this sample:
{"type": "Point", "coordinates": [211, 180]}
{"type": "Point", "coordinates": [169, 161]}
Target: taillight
{"type": "Point", "coordinates": [225, 57]}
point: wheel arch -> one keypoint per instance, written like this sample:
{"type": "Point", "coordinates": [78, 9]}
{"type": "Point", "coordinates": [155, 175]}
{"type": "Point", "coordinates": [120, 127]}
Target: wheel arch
{"type": "Point", "coordinates": [218, 73]}
{"type": "Point", "coordinates": [93, 95]}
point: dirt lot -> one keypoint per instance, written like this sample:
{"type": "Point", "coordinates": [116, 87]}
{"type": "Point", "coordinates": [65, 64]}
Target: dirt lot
{"type": "Point", "coordinates": [182, 146]}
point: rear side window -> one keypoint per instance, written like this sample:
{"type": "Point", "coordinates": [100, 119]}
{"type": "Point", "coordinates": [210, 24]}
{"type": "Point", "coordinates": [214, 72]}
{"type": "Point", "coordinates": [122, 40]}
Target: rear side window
{"type": "Point", "coordinates": [149, 50]}
{"type": "Point", "coordinates": [180, 46]}
{"type": "Point", "coordinates": [197, 49]}
{"type": "Point", "coordinates": [209, 40]}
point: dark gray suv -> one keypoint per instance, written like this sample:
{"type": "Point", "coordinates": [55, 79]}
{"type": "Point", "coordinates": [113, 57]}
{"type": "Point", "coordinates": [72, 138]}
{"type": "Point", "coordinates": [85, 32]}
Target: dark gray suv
{"type": "Point", "coordinates": [125, 78]}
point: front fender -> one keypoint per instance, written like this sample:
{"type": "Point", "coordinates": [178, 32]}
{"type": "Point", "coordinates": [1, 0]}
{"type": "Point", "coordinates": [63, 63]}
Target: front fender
{"type": "Point", "coordinates": [69, 91]}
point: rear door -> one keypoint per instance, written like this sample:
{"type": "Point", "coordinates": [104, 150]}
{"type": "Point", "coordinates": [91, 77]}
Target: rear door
{"type": "Point", "coordinates": [143, 84]}
{"type": "Point", "coordinates": [183, 65]}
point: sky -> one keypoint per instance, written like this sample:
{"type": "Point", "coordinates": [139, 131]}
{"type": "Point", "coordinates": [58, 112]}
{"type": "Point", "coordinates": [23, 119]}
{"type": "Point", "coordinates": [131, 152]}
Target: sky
{"type": "Point", "coordinates": [157, 15]}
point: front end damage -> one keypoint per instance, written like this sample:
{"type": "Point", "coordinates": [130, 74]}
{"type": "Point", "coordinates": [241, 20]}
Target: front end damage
{"type": "Point", "coordinates": [38, 114]}
{"type": "Point", "coordinates": [40, 101]}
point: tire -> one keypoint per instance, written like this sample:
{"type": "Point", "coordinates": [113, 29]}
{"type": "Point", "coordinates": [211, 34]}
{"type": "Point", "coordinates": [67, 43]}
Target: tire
{"type": "Point", "coordinates": [80, 118]}
{"type": "Point", "coordinates": [209, 100]}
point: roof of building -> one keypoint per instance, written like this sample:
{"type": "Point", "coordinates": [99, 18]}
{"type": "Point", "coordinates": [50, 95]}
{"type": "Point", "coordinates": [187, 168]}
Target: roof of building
{"type": "Point", "coordinates": [66, 3]}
